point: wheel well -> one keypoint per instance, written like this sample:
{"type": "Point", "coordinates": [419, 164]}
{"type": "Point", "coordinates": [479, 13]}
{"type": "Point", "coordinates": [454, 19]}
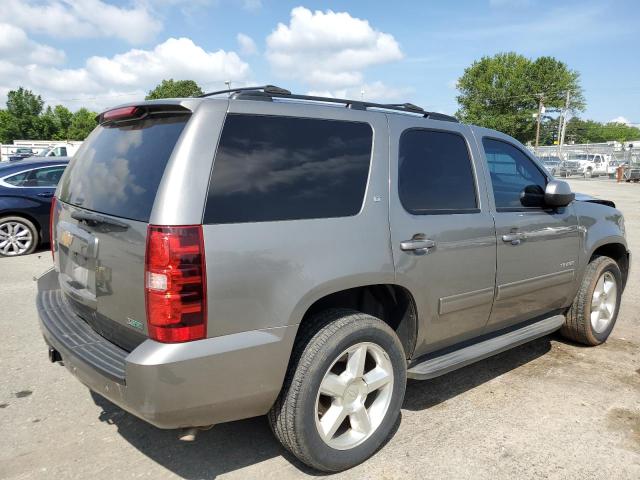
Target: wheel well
{"type": "Point", "coordinates": [617, 252]}
{"type": "Point", "coordinates": [391, 303]}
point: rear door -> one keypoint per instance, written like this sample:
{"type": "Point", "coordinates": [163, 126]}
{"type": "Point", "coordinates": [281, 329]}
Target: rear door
{"type": "Point", "coordinates": [105, 202]}
{"type": "Point", "coordinates": [537, 247]}
{"type": "Point", "coordinates": [442, 232]}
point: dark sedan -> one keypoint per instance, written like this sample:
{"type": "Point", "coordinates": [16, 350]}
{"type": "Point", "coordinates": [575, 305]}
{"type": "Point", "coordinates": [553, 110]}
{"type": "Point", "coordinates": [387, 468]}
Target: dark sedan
{"type": "Point", "coordinates": [26, 190]}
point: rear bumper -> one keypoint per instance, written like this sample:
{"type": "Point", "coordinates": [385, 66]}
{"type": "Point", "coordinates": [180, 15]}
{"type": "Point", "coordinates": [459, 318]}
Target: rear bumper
{"type": "Point", "coordinates": [170, 385]}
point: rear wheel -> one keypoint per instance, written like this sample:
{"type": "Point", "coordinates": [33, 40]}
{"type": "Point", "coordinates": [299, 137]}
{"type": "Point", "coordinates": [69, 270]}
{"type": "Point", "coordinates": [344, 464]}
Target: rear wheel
{"type": "Point", "coordinates": [18, 236]}
{"type": "Point", "coordinates": [594, 311]}
{"type": "Point", "coordinates": [343, 391]}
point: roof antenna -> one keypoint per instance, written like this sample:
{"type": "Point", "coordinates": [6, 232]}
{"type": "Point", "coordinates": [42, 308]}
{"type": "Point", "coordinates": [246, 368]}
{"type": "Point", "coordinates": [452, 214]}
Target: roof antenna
{"type": "Point", "coordinates": [228, 84]}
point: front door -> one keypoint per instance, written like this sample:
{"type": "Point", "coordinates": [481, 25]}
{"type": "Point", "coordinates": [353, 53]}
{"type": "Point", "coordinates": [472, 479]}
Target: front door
{"type": "Point", "coordinates": [537, 247]}
{"type": "Point", "coordinates": [442, 231]}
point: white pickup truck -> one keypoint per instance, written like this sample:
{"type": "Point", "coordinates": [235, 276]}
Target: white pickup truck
{"type": "Point", "coordinates": [594, 164]}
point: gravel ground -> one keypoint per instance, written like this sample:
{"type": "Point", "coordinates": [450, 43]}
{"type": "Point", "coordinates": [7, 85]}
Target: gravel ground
{"type": "Point", "coordinates": [548, 409]}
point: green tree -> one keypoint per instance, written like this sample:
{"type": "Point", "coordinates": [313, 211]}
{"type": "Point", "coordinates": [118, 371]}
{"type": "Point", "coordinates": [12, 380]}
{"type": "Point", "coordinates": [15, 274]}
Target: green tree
{"type": "Point", "coordinates": [46, 125]}
{"type": "Point", "coordinates": [175, 89]}
{"type": "Point", "coordinates": [25, 107]}
{"type": "Point", "coordinates": [589, 131]}
{"type": "Point", "coordinates": [82, 123]}
{"type": "Point", "coordinates": [8, 127]}
{"type": "Point", "coordinates": [63, 121]}
{"type": "Point", "coordinates": [502, 92]}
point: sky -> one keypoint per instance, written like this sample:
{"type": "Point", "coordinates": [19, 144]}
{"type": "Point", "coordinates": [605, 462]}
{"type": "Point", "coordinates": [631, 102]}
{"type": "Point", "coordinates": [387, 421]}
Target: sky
{"type": "Point", "coordinates": [98, 53]}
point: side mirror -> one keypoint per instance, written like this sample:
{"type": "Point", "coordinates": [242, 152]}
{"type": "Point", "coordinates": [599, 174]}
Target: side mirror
{"type": "Point", "coordinates": [558, 194]}
{"type": "Point", "coordinates": [532, 196]}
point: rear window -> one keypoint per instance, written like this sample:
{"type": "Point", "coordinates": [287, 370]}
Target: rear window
{"type": "Point", "coordinates": [271, 168]}
{"type": "Point", "coordinates": [119, 166]}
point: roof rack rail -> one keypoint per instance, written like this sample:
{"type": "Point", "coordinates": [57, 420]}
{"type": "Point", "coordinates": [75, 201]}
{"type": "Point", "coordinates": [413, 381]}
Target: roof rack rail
{"type": "Point", "coordinates": [269, 92]}
{"type": "Point", "coordinates": [269, 89]}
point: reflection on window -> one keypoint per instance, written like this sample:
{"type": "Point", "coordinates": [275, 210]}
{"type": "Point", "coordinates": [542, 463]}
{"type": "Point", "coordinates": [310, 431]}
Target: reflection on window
{"type": "Point", "coordinates": [119, 167]}
{"type": "Point", "coordinates": [271, 168]}
{"type": "Point", "coordinates": [511, 172]}
{"type": "Point", "coordinates": [434, 173]}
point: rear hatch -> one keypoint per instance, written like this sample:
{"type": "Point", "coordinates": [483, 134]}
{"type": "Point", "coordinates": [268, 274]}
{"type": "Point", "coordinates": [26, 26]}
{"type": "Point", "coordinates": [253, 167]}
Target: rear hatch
{"type": "Point", "coordinates": [105, 199]}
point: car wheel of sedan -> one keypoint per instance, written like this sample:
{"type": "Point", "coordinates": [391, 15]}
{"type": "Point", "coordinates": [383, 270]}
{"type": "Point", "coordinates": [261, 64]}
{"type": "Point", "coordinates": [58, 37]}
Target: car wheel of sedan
{"type": "Point", "coordinates": [594, 311]}
{"type": "Point", "coordinates": [343, 391]}
{"type": "Point", "coordinates": [18, 236]}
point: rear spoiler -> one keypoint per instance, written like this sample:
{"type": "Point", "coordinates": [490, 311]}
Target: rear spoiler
{"type": "Point", "coordinates": [138, 112]}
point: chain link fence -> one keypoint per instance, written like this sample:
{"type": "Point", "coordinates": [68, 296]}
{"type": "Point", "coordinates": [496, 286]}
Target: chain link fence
{"type": "Point", "coordinates": [576, 159]}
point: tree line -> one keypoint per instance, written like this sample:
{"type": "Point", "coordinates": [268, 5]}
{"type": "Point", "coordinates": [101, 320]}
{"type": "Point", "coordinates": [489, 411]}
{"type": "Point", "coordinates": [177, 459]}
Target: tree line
{"type": "Point", "coordinates": [502, 92]}
{"type": "Point", "coordinates": [26, 118]}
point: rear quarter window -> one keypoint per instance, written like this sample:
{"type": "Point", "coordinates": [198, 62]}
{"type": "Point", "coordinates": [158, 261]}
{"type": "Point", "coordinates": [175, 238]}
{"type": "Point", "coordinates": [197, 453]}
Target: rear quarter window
{"type": "Point", "coordinates": [118, 168]}
{"type": "Point", "coordinates": [270, 168]}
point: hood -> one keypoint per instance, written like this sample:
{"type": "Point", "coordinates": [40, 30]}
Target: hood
{"type": "Point", "coordinates": [582, 197]}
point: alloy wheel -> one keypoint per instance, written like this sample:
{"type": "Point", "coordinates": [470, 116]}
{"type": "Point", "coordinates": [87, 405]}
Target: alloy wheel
{"type": "Point", "coordinates": [354, 396]}
{"type": "Point", "coordinates": [15, 238]}
{"type": "Point", "coordinates": [603, 302]}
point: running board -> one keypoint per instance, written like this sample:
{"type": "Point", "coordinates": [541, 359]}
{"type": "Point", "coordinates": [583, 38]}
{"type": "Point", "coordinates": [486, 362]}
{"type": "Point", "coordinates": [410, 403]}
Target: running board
{"type": "Point", "coordinates": [434, 367]}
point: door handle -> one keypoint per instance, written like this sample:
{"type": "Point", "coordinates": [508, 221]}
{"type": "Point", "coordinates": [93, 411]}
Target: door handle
{"type": "Point", "coordinates": [418, 244]}
{"type": "Point", "coordinates": [513, 238]}
{"type": "Point", "coordinates": [45, 194]}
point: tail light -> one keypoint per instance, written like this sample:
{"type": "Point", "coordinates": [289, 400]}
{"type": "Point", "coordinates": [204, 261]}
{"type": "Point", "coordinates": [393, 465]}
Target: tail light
{"type": "Point", "coordinates": [175, 283]}
{"type": "Point", "coordinates": [52, 236]}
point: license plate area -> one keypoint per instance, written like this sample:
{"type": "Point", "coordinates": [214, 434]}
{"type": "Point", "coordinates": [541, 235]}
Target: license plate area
{"type": "Point", "coordinates": [78, 251]}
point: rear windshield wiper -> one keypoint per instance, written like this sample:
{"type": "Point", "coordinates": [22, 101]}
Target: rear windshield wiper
{"type": "Point", "coordinates": [93, 220]}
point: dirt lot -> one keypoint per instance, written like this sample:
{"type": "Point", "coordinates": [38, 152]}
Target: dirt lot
{"type": "Point", "coordinates": [548, 409]}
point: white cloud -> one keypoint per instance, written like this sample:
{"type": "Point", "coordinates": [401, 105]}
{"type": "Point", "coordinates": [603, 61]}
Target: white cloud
{"type": "Point", "coordinates": [82, 18]}
{"type": "Point", "coordinates": [620, 119]}
{"type": "Point", "coordinates": [106, 81]}
{"type": "Point", "coordinates": [328, 50]}
{"type": "Point", "coordinates": [371, 92]}
{"type": "Point", "coordinates": [246, 44]}
{"type": "Point", "coordinates": [252, 5]}
{"type": "Point", "coordinates": [17, 48]}
{"type": "Point", "coordinates": [510, 3]}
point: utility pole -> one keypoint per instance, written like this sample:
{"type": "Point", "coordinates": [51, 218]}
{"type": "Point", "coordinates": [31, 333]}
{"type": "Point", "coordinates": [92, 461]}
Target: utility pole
{"type": "Point", "coordinates": [564, 119]}
{"type": "Point", "coordinates": [540, 97]}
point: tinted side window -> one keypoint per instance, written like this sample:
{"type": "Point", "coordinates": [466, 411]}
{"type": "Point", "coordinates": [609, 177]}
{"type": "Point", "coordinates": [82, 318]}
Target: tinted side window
{"type": "Point", "coordinates": [44, 177]}
{"type": "Point", "coordinates": [435, 174]}
{"type": "Point", "coordinates": [284, 168]}
{"type": "Point", "coordinates": [17, 179]}
{"type": "Point", "coordinates": [511, 172]}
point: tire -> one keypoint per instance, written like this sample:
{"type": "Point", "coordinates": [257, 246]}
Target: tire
{"type": "Point", "coordinates": [322, 345]}
{"type": "Point", "coordinates": [588, 173]}
{"type": "Point", "coordinates": [17, 229]}
{"type": "Point", "coordinates": [579, 325]}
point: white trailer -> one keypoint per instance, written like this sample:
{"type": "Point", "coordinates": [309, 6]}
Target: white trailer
{"type": "Point", "coordinates": [50, 148]}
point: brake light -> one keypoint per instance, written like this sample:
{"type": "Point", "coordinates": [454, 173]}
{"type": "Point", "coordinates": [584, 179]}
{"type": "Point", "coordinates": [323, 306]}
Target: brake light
{"type": "Point", "coordinates": [119, 113]}
{"type": "Point", "coordinates": [175, 283]}
{"type": "Point", "coordinates": [51, 222]}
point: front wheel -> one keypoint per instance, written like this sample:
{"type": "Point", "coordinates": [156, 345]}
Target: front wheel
{"type": "Point", "coordinates": [594, 311]}
{"type": "Point", "coordinates": [343, 390]}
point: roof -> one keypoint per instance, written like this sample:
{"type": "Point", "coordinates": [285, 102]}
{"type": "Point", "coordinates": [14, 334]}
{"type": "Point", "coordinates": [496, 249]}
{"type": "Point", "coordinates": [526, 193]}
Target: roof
{"type": "Point", "coordinates": [271, 93]}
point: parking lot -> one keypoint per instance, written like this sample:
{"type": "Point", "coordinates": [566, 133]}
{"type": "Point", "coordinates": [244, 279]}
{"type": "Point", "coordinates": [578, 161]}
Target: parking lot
{"type": "Point", "coordinates": [548, 409]}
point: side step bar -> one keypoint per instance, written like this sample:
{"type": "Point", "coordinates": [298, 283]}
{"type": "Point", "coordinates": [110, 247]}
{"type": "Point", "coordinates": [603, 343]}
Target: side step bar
{"type": "Point", "coordinates": [434, 367]}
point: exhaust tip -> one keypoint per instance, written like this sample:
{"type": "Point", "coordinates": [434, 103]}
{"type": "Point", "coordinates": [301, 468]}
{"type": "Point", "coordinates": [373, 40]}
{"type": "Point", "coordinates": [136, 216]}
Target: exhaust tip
{"type": "Point", "coordinates": [54, 355]}
{"type": "Point", "coordinates": [190, 434]}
